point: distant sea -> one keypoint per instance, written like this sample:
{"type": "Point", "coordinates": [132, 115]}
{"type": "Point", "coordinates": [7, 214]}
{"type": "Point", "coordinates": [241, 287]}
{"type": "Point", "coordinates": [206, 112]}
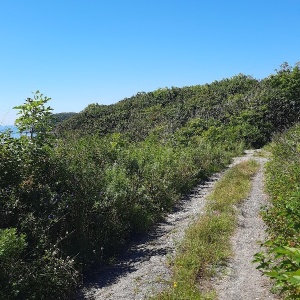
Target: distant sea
{"type": "Point", "coordinates": [13, 128]}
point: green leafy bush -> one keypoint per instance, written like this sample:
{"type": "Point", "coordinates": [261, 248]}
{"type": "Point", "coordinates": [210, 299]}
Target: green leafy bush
{"type": "Point", "coordinates": [281, 258]}
{"type": "Point", "coordinates": [283, 268]}
{"type": "Point", "coordinates": [11, 248]}
{"type": "Point", "coordinates": [31, 214]}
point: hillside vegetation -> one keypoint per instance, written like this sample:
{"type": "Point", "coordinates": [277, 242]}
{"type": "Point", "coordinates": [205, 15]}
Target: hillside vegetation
{"type": "Point", "coordinates": [60, 117]}
{"type": "Point", "coordinates": [240, 108]}
{"type": "Point", "coordinates": [72, 200]}
{"type": "Point", "coordinates": [281, 260]}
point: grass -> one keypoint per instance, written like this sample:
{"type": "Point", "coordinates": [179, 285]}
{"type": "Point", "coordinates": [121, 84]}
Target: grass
{"type": "Point", "coordinates": [207, 241]}
{"type": "Point", "coordinates": [265, 152]}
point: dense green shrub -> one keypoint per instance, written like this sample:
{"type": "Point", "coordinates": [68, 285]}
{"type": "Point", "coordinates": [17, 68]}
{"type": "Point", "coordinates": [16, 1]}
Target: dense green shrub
{"type": "Point", "coordinates": [281, 259]}
{"type": "Point", "coordinates": [28, 207]}
{"type": "Point", "coordinates": [11, 247]}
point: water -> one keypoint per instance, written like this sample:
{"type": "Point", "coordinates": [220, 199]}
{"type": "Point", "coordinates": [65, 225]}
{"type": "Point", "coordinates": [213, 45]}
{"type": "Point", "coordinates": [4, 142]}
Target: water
{"type": "Point", "coordinates": [13, 128]}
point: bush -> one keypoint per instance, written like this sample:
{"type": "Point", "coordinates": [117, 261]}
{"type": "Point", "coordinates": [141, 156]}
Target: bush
{"type": "Point", "coordinates": [281, 259]}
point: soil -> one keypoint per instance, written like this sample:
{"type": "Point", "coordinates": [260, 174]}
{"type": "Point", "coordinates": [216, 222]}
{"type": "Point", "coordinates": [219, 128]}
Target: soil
{"type": "Point", "coordinates": [241, 280]}
{"type": "Point", "coordinates": [144, 269]}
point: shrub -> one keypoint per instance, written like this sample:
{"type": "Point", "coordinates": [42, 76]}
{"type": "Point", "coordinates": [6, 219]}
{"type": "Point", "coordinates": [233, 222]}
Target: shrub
{"type": "Point", "coordinates": [281, 258]}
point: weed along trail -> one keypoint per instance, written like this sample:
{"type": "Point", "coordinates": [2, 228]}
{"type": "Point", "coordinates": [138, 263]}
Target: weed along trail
{"type": "Point", "coordinates": [144, 270]}
{"type": "Point", "coordinates": [240, 280]}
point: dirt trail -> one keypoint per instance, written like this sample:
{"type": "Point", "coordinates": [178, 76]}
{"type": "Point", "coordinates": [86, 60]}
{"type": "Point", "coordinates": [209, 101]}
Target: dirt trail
{"type": "Point", "coordinates": [242, 281]}
{"type": "Point", "coordinates": [143, 270]}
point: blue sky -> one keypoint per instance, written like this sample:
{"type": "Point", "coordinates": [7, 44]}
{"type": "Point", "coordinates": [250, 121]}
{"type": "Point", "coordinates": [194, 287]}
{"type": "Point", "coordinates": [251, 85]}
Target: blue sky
{"type": "Point", "coordinates": [88, 51]}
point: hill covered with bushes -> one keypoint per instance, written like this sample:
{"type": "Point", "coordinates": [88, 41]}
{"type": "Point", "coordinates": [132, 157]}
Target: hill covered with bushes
{"type": "Point", "coordinates": [73, 199]}
{"type": "Point", "coordinates": [60, 117]}
{"type": "Point", "coordinates": [251, 110]}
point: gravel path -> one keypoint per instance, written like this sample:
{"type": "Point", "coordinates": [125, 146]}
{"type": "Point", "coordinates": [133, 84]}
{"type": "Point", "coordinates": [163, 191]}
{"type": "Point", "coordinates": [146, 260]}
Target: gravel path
{"type": "Point", "coordinates": [242, 280]}
{"type": "Point", "coordinates": [143, 270]}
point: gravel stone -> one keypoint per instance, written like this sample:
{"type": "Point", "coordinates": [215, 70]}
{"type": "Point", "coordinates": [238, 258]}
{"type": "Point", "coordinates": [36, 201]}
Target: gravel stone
{"type": "Point", "coordinates": [241, 280]}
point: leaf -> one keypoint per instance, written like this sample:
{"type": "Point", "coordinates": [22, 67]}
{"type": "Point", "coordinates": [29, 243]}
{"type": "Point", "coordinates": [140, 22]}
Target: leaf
{"type": "Point", "coordinates": [272, 274]}
{"type": "Point", "coordinates": [281, 250]}
{"type": "Point", "coordinates": [295, 280]}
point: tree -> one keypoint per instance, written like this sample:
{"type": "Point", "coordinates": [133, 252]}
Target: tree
{"type": "Point", "coordinates": [33, 197]}
{"type": "Point", "coordinates": [36, 119]}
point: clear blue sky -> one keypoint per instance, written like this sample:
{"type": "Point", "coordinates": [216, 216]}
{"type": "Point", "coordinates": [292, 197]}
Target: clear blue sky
{"type": "Point", "coordinates": [88, 51]}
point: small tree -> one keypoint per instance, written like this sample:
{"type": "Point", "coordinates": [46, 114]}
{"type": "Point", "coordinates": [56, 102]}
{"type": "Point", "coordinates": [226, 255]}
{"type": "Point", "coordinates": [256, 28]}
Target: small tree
{"type": "Point", "coordinates": [36, 119]}
{"type": "Point", "coordinates": [33, 209]}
